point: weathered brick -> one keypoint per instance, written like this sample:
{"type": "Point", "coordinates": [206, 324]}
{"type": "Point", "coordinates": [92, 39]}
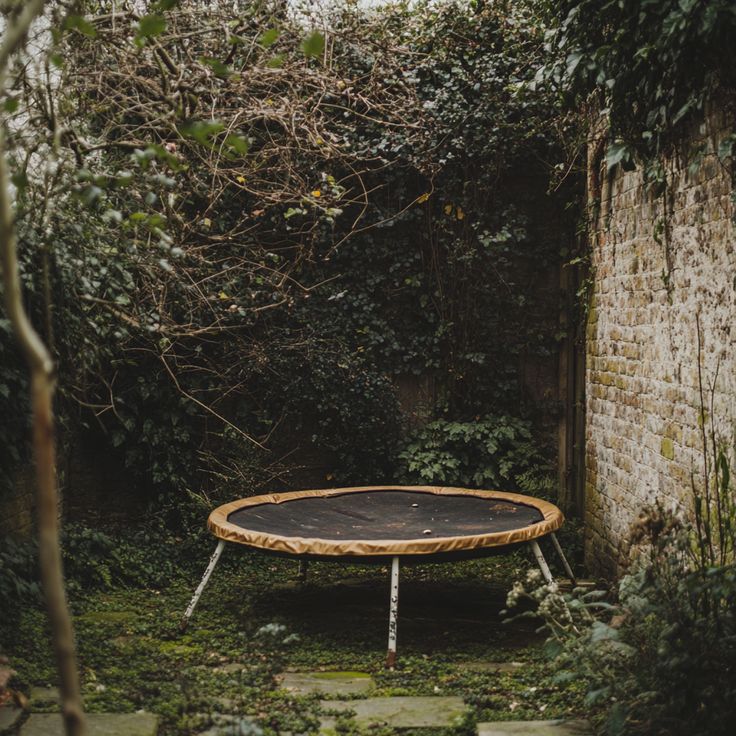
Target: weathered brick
{"type": "Point", "coordinates": [642, 410]}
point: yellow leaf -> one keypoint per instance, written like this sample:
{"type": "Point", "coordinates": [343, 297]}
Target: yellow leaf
{"type": "Point", "coordinates": [223, 296]}
{"type": "Point", "coordinates": [241, 179]}
{"type": "Point", "coordinates": [448, 209]}
{"type": "Point", "coordinates": [423, 198]}
{"type": "Point", "coordinates": [320, 141]}
{"type": "Point", "coordinates": [460, 214]}
{"type": "Point", "coordinates": [316, 193]}
{"type": "Point", "coordinates": [329, 476]}
{"type": "Point", "coordinates": [207, 222]}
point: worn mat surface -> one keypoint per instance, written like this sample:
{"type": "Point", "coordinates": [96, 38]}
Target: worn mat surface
{"type": "Point", "coordinates": [390, 514]}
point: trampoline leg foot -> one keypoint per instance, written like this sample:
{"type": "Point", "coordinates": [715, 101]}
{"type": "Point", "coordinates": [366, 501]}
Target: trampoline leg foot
{"type": "Point", "coordinates": [393, 622]}
{"type": "Point", "coordinates": [205, 578]}
{"type": "Point", "coordinates": [546, 574]}
{"type": "Point", "coordinates": [302, 574]}
{"type": "Point", "coordinates": [565, 563]}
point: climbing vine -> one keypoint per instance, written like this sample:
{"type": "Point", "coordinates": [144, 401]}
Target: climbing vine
{"type": "Point", "coordinates": [264, 222]}
{"type": "Point", "coordinates": [653, 66]}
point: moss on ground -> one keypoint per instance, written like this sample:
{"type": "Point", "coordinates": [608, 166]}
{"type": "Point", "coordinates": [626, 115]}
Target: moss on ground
{"type": "Point", "coordinates": [133, 655]}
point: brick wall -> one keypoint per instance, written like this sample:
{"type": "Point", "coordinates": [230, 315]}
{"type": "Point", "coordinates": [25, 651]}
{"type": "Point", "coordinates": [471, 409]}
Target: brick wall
{"type": "Point", "coordinates": [659, 263]}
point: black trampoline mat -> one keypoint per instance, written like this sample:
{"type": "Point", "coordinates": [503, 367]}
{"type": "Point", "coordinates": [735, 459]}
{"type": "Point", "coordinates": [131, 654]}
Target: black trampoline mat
{"type": "Point", "coordinates": [387, 514]}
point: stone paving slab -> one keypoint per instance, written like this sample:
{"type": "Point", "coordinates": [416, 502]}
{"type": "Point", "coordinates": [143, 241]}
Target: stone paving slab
{"type": "Point", "coordinates": [328, 683]}
{"type": "Point", "coordinates": [535, 728]}
{"type": "Point", "coordinates": [400, 711]}
{"type": "Point", "coordinates": [9, 716]}
{"type": "Point", "coordinates": [99, 724]}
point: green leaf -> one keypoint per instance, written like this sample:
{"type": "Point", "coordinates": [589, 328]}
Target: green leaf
{"type": "Point", "coordinates": [221, 70]}
{"type": "Point", "coordinates": [11, 104]}
{"type": "Point", "coordinates": [619, 153]}
{"type": "Point", "coordinates": [81, 24]}
{"type": "Point", "coordinates": [596, 696]}
{"type": "Point", "coordinates": [603, 632]}
{"type": "Point", "coordinates": [163, 5]}
{"type": "Point", "coordinates": [237, 143]}
{"type": "Point", "coordinates": [563, 677]}
{"type": "Point", "coordinates": [20, 180]}
{"type": "Point", "coordinates": [552, 648]}
{"type": "Point", "coordinates": [275, 62]}
{"type": "Point", "coordinates": [269, 37]}
{"type": "Point", "coordinates": [148, 27]}
{"type": "Point", "coordinates": [617, 718]}
{"type": "Point", "coordinates": [313, 44]}
{"type": "Point", "coordinates": [202, 131]}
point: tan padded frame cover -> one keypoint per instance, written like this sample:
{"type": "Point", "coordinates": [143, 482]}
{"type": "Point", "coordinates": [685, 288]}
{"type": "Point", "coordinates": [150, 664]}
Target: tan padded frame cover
{"type": "Point", "coordinates": [223, 529]}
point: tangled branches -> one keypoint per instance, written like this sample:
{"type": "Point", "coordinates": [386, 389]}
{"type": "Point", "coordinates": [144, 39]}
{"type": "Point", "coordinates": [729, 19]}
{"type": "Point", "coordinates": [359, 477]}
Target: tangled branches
{"type": "Point", "coordinates": [208, 159]}
{"type": "Point", "coordinates": [248, 116]}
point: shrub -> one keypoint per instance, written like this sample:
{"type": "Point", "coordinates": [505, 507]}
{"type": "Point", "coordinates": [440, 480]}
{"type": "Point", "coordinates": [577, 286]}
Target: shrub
{"type": "Point", "coordinates": [662, 659]}
{"type": "Point", "coordinates": [491, 452]}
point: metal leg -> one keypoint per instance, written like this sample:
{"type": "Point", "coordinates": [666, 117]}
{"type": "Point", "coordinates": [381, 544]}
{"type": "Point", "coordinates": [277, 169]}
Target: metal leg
{"type": "Point", "coordinates": [393, 614]}
{"type": "Point", "coordinates": [205, 578]}
{"type": "Point", "coordinates": [546, 574]}
{"type": "Point", "coordinates": [565, 563]}
{"type": "Point", "coordinates": [302, 574]}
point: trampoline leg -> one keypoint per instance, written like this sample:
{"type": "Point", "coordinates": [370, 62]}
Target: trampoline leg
{"type": "Point", "coordinates": [302, 574]}
{"type": "Point", "coordinates": [393, 622]}
{"type": "Point", "coordinates": [205, 578]}
{"type": "Point", "coordinates": [546, 574]}
{"type": "Point", "coordinates": [565, 563]}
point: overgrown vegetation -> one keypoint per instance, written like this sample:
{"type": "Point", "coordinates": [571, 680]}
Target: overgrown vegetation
{"type": "Point", "coordinates": [659, 655]}
{"type": "Point", "coordinates": [255, 621]}
{"type": "Point", "coordinates": [257, 229]}
{"type": "Point", "coordinates": [649, 69]}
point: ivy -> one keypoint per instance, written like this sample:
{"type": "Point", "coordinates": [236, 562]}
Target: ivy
{"type": "Point", "coordinates": [234, 298]}
{"type": "Point", "coordinates": [654, 65]}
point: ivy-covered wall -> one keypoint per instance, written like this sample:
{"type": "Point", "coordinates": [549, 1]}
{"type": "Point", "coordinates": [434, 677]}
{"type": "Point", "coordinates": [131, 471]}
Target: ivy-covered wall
{"type": "Point", "coordinates": [661, 333]}
{"type": "Point", "coordinates": [239, 304]}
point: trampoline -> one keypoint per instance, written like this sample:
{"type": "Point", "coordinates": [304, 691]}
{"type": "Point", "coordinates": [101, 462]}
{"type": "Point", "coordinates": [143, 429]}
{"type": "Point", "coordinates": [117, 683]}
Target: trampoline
{"type": "Point", "coordinates": [385, 523]}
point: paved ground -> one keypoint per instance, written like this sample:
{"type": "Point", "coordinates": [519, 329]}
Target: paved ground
{"type": "Point", "coordinates": [535, 728]}
{"type": "Point", "coordinates": [348, 691]}
{"type": "Point", "coordinates": [400, 711]}
{"type": "Point", "coordinates": [40, 722]}
{"type": "Point", "coordinates": [99, 724]}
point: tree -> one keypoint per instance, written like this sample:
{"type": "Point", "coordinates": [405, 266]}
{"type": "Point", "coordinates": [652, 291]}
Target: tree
{"type": "Point", "coordinates": [41, 368]}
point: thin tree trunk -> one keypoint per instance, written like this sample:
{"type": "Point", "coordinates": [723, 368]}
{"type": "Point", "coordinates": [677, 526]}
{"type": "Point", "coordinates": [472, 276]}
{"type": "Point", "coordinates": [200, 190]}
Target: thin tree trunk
{"type": "Point", "coordinates": [42, 395]}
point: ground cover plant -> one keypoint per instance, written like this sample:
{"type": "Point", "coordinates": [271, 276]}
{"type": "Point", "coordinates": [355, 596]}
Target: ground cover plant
{"type": "Point", "coordinates": [256, 620]}
{"type": "Point", "coordinates": [657, 654]}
